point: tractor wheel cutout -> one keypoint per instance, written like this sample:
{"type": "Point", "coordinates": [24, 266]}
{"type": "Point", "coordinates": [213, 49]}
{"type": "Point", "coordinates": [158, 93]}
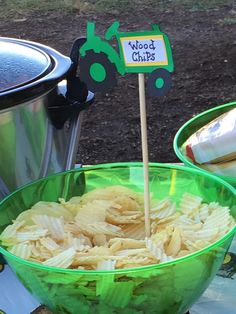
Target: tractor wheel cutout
{"type": "Point", "coordinates": [97, 72]}
{"type": "Point", "coordinates": [159, 82]}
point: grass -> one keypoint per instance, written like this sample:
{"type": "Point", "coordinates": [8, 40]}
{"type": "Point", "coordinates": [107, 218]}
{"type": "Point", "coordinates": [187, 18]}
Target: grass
{"type": "Point", "coordinates": [10, 8]}
{"type": "Point", "coordinates": [18, 8]}
{"type": "Point", "coordinates": [196, 5]}
{"type": "Point", "coordinates": [228, 21]}
{"type": "Point", "coordinates": [113, 5]}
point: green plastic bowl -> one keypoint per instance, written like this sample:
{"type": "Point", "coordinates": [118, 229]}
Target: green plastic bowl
{"type": "Point", "coordinates": [170, 287]}
{"type": "Point", "coordinates": [194, 125]}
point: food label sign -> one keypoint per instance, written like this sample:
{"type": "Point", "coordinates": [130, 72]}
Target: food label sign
{"type": "Point", "coordinates": [144, 51]}
{"type": "Point", "coordinates": [136, 52]}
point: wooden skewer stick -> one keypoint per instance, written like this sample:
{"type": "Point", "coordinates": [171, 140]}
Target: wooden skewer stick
{"type": "Point", "coordinates": [143, 119]}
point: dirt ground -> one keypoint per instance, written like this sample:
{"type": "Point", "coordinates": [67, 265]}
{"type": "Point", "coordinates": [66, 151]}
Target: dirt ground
{"type": "Point", "coordinates": [204, 51]}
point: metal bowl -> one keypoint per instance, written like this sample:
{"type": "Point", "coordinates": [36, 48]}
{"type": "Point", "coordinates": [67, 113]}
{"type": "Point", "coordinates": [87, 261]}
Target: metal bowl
{"type": "Point", "coordinates": [41, 99]}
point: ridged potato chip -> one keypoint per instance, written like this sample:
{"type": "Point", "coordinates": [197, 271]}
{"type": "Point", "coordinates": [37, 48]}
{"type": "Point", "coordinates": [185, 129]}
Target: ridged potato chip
{"type": "Point", "coordinates": [189, 202]}
{"type": "Point", "coordinates": [49, 243]}
{"type": "Point", "coordinates": [106, 265]}
{"type": "Point", "coordinates": [93, 212]}
{"type": "Point", "coordinates": [10, 231]}
{"type": "Point", "coordinates": [55, 226]}
{"type": "Point", "coordinates": [117, 217]}
{"type": "Point", "coordinates": [104, 230]}
{"type": "Point", "coordinates": [163, 209]}
{"type": "Point", "coordinates": [63, 260]}
{"type": "Point", "coordinates": [174, 245]}
{"type": "Point", "coordinates": [100, 228]}
{"type": "Point", "coordinates": [22, 250]}
{"type": "Point", "coordinates": [157, 251]}
{"type": "Point", "coordinates": [33, 235]}
{"type": "Point", "coordinates": [52, 209]}
{"type": "Point", "coordinates": [134, 231]}
{"type": "Point", "coordinates": [127, 243]}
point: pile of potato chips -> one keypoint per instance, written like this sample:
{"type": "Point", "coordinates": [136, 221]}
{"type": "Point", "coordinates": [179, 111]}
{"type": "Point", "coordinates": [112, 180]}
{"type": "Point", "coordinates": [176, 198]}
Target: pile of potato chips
{"type": "Point", "coordinates": [104, 230]}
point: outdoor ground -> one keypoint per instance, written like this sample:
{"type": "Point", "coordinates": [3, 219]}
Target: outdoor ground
{"type": "Point", "coordinates": [203, 38]}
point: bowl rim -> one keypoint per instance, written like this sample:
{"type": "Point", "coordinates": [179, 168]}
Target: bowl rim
{"type": "Point", "coordinates": [177, 149]}
{"type": "Point", "coordinates": [126, 271]}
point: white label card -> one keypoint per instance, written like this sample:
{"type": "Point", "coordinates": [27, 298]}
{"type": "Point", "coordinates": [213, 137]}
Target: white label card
{"type": "Point", "coordinates": [144, 50]}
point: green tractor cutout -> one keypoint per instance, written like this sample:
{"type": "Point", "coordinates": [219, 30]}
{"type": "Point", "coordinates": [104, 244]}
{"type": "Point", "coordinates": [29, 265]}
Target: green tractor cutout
{"type": "Point", "coordinates": [139, 52]}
